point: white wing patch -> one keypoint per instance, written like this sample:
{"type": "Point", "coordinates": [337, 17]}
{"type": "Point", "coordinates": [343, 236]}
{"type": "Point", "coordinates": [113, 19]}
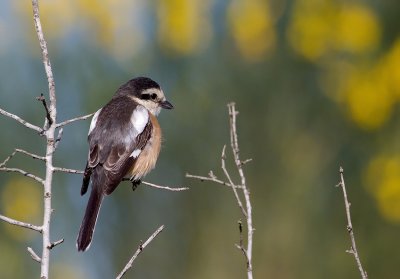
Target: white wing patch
{"type": "Point", "coordinates": [139, 119]}
{"type": "Point", "coordinates": [135, 153]}
{"type": "Point", "coordinates": [94, 121]}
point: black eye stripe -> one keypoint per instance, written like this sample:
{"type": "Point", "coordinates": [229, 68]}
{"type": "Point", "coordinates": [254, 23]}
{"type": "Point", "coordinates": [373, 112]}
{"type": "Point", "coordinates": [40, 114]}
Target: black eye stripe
{"type": "Point", "coordinates": [154, 96]}
{"type": "Point", "coordinates": [145, 96]}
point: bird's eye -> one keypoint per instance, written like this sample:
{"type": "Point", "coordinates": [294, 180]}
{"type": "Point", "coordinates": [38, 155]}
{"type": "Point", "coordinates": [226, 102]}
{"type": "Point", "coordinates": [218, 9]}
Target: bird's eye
{"type": "Point", "coordinates": [145, 96]}
{"type": "Point", "coordinates": [153, 96]}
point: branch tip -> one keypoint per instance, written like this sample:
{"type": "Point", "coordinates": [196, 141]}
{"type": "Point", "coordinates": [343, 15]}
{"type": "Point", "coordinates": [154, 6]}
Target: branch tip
{"type": "Point", "coordinates": [138, 251]}
{"type": "Point", "coordinates": [54, 244]}
{"type": "Point", "coordinates": [349, 227]}
{"type": "Point", "coordinates": [42, 99]}
{"type": "Point", "coordinates": [34, 256]}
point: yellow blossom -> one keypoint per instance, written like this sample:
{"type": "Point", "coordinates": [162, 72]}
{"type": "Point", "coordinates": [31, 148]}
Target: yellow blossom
{"type": "Point", "coordinates": [252, 28]}
{"type": "Point", "coordinates": [382, 177]}
{"type": "Point", "coordinates": [184, 26]}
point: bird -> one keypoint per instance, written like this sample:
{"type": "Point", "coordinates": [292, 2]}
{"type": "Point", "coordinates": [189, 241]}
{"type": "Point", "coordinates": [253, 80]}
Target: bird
{"type": "Point", "coordinates": [124, 141]}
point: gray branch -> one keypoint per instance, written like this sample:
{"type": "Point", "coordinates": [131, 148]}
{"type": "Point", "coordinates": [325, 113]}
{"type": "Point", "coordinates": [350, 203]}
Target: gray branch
{"type": "Point", "coordinates": [235, 149]}
{"type": "Point", "coordinates": [247, 210]}
{"type": "Point", "coordinates": [211, 177]}
{"type": "Point", "coordinates": [138, 251]}
{"type": "Point", "coordinates": [62, 124]}
{"type": "Point", "coordinates": [231, 182]}
{"type": "Point", "coordinates": [50, 147]}
{"type": "Point", "coordinates": [350, 230]}
{"type": "Point", "coordinates": [126, 179]}
{"type": "Point", "coordinates": [21, 224]}
{"type": "Point", "coordinates": [22, 121]}
{"type": "Point", "coordinates": [34, 256]}
{"type": "Point", "coordinates": [25, 173]}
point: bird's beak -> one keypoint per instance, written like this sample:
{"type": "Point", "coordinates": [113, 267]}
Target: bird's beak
{"type": "Point", "coordinates": [167, 105]}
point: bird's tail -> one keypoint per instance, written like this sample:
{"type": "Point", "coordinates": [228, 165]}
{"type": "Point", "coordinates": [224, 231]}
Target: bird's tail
{"type": "Point", "coordinates": [92, 211]}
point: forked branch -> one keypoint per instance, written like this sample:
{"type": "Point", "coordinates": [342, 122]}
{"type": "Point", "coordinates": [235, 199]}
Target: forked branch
{"type": "Point", "coordinates": [245, 207]}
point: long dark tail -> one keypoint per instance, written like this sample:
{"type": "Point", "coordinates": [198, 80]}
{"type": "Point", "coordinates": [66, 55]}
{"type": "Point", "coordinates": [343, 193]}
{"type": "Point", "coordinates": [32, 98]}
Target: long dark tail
{"type": "Point", "coordinates": [92, 211]}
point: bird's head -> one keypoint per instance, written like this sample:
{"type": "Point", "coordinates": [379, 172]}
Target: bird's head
{"type": "Point", "coordinates": [145, 92]}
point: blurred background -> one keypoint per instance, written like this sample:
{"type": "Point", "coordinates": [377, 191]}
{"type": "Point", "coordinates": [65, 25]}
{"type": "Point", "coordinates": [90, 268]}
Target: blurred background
{"type": "Point", "coordinates": [317, 84]}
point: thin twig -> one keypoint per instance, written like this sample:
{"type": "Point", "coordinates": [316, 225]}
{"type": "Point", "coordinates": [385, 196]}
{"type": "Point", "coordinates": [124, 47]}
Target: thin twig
{"type": "Point", "coordinates": [59, 136]}
{"type": "Point", "coordinates": [8, 159]}
{"type": "Point", "coordinates": [246, 192]}
{"type": "Point", "coordinates": [159, 186]}
{"type": "Point", "coordinates": [22, 121]}
{"type": "Point", "coordinates": [25, 173]}
{"type": "Point", "coordinates": [18, 150]}
{"type": "Point", "coordinates": [353, 249]}
{"type": "Point", "coordinates": [247, 212]}
{"type": "Point", "coordinates": [240, 245]}
{"type": "Point", "coordinates": [125, 179]}
{"type": "Point", "coordinates": [212, 178]}
{"type": "Point", "coordinates": [34, 156]}
{"type": "Point", "coordinates": [74, 119]}
{"type": "Point", "coordinates": [138, 251]}
{"type": "Point", "coordinates": [231, 182]}
{"type": "Point", "coordinates": [67, 170]}
{"type": "Point", "coordinates": [21, 224]}
{"type": "Point", "coordinates": [42, 99]}
{"type": "Point", "coordinates": [34, 255]}
{"type": "Point", "coordinates": [165, 187]}
{"type": "Point", "coordinates": [54, 244]}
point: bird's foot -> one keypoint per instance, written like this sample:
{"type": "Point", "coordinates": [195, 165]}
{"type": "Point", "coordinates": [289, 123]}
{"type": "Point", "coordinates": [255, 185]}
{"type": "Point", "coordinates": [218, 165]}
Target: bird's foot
{"type": "Point", "coordinates": [135, 183]}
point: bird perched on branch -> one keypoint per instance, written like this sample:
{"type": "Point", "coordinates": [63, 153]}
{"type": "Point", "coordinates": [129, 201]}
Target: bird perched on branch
{"type": "Point", "coordinates": [124, 140]}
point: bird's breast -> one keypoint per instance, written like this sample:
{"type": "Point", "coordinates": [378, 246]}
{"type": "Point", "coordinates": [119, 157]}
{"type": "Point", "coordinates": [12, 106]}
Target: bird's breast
{"type": "Point", "coordinates": [148, 157]}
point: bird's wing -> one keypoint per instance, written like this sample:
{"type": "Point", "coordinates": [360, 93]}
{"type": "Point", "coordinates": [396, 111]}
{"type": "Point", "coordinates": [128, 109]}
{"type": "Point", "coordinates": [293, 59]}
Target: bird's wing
{"type": "Point", "coordinates": [117, 139]}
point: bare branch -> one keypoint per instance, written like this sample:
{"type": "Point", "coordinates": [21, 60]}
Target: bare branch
{"type": "Point", "coordinates": [50, 148]}
{"type": "Point", "coordinates": [165, 187]}
{"type": "Point", "coordinates": [25, 173]}
{"type": "Point", "coordinates": [74, 119]}
{"type": "Point", "coordinates": [8, 159]}
{"type": "Point", "coordinates": [231, 182]}
{"type": "Point", "coordinates": [125, 179]}
{"type": "Point", "coordinates": [54, 244]}
{"type": "Point", "coordinates": [21, 224]}
{"type": "Point", "coordinates": [22, 121]}
{"type": "Point", "coordinates": [34, 156]}
{"type": "Point", "coordinates": [160, 186]}
{"type": "Point", "coordinates": [58, 139]}
{"type": "Point", "coordinates": [212, 178]}
{"type": "Point", "coordinates": [34, 255]}
{"type": "Point", "coordinates": [43, 100]}
{"type": "Point", "coordinates": [247, 212]}
{"type": "Point", "coordinates": [240, 245]}
{"type": "Point", "coordinates": [246, 192]}
{"type": "Point", "coordinates": [350, 230]}
{"type": "Point", "coordinates": [45, 56]}
{"type": "Point", "coordinates": [138, 251]}
{"type": "Point", "coordinates": [18, 150]}
{"type": "Point", "coordinates": [67, 170]}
